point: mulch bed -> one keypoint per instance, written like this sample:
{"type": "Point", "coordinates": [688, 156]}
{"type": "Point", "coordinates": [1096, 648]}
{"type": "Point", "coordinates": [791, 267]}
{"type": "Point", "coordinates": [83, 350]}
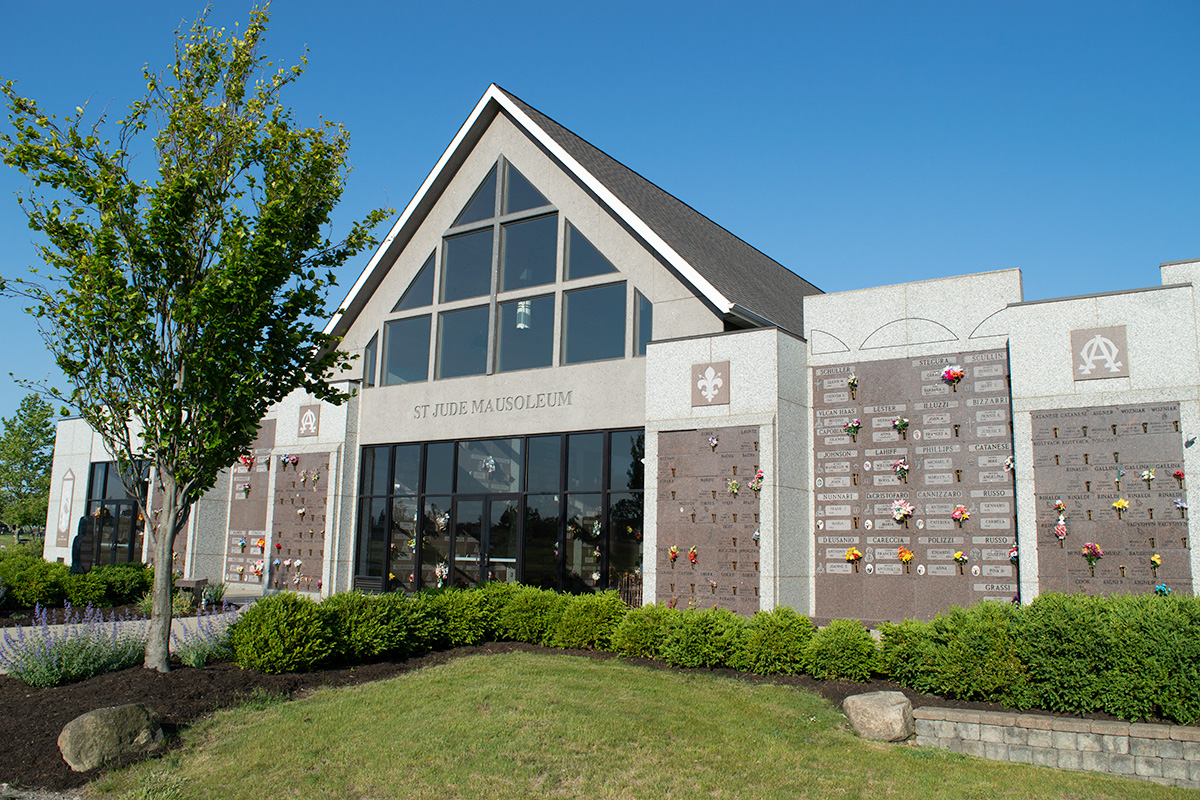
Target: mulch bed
{"type": "Point", "coordinates": [32, 718]}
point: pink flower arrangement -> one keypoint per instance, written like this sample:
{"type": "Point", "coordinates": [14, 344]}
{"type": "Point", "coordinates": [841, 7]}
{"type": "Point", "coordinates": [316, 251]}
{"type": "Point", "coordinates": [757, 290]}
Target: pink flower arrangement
{"type": "Point", "coordinates": [952, 375]}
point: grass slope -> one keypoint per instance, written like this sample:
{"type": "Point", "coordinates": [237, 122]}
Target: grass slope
{"type": "Point", "coordinates": [525, 725]}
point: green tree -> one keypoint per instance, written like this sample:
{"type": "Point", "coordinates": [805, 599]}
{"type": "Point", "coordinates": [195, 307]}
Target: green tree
{"type": "Point", "coordinates": [180, 310]}
{"type": "Point", "coordinates": [26, 453]}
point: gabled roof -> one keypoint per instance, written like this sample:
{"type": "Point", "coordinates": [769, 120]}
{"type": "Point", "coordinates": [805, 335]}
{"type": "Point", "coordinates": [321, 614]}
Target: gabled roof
{"type": "Point", "coordinates": [732, 277]}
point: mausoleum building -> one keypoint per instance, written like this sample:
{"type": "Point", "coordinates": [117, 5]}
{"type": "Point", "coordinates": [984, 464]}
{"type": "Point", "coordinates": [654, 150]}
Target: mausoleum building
{"type": "Point", "coordinates": [571, 379]}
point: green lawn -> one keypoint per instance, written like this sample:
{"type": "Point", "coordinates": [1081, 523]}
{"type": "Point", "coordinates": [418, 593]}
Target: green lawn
{"type": "Point", "coordinates": [526, 725]}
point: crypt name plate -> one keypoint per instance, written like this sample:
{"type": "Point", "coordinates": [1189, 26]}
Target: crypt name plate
{"type": "Point", "coordinates": [1091, 458]}
{"type": "Point", "coordinates": [956, 445]}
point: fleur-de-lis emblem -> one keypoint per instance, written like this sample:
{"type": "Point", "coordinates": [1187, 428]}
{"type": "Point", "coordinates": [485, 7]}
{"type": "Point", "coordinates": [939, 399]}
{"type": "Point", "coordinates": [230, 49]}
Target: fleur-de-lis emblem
{"type": "Point", "coordinates": [710, 384]}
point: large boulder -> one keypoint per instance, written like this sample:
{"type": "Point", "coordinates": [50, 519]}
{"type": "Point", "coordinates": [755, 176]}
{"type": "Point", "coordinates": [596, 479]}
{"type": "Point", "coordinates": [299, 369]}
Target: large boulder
{"type": "Point", "coordinates": [884, 716]}
{"type": "Point", "coordinates": [106, 734]}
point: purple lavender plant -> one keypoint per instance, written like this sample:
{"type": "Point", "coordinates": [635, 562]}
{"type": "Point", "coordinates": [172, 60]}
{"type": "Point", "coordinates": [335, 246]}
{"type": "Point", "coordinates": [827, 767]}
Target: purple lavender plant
{"type": "Point", "coordinates": [86, 644]}
{"type": "Point", "coordinates": [209, 640]}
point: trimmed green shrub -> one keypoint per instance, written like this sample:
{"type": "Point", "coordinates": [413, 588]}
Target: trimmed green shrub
{"type": "Point", "coordinates": [425, 620]}
{"type": "Point", "coordinates": [85, 590]}
{"type": "Point", "coordinates": [31, 580]}
{"type": "Point", "coordinates": [773, 643]}
{"type": "Point", "coordinates": [123, 583]}
{"type": "Point", "coordinates": [588, 621]}
{"type": "Point", "coordinates": [495, 597]}
{"type": "Point", "coordinates": [469, 617]}
{"type": "Point", "coordinates": [1153, 650]}
{"type": "Point", "coordinates": [361, 625]}
{"type": "Point", "coordinates": [978, 656]}
{"type": "Point", "coordinates": [843, 649]}
{"type": "Point", "coordinates": [707, 638]}
{"type": "Point", "coordinates": [530, 615]}
{"type": "Point", "coordinates": [282, 633]}
{"type": "Point", "coordinates": [1062, 641]}
{"type": "Point", "coordinates": [642, 631]}
{"type": "Point", "coordinates": [908, 654]}
{"type": "Point", "coordinates": [182, 604]}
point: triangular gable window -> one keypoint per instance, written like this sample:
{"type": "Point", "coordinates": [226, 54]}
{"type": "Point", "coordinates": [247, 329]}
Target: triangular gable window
{"type": "Point", "coordinates": [420, 291]}
{"type": "Point", "coordinates": [519, 194]}
{"type": "Point", "coordinates": [483, 202]}
{"type": "Point", "coordinates": [583, 259]}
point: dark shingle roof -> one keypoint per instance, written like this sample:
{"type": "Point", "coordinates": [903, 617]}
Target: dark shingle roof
{"type": "Point", "coordinates": [741, 273]}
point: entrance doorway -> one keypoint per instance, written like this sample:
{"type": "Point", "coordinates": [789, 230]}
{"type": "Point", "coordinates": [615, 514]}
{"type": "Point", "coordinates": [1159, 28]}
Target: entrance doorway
{"type": "Point", "coordinates": [486, 534]}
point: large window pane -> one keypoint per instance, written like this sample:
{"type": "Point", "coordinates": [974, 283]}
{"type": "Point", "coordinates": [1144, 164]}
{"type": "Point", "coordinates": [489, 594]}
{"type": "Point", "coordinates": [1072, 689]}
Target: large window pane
{"type": "Point", "coordinates": [462, 343]}
{"type": "Point", "coordinates": [541, 541]}
{"type": "Point", "coordinates": [584, 546]}
{"type": "Point", "coordinates": [585, 462]}
{"type": "Point", "coordinates": [627, 467]}
{"type": "Point", "coordinates": [439, 468]}
{"type": "Point", "coordinates": [369, 361]}
{"type": "Point", "coordinates": [503, 526]}
{"type": "Point", "coordinates": [624, 536]}
{"type": "Point", "coordinates": [420, 292]}
{"type": "Point", "coordinates": [435, 542]}
{"type": "Point", "coordinates": [467, 268]}
{"type": "Point", "coordinates": [525, 334]}
{"type": "Point", "coordinates": [372, 536]}
{"type": "Point", "coordinates": [482, 204]}
{"type": "Point", "coordinates": [374, 471]}
{"type": "Point", "coordinates": [465, 571]}
{"type": "Point", "coordinates": [406, 351]}
{"type": "Point", "coordinates": [545, 463]}
{"type": "Point", "coordinates": [407, 470]}
{"type": "Point", "coordinates": [519, 193]}
{"type": "Point", "coordinates": [594, 324]}
{"type": "Point", "coordinates": [492, 466]}
{"type": "Point", "coordinates": [403, 547]}
{"type": "Point", "coordinates": [643, 323]}
{"type": "Point", "coordinates": [528, 255]}
{"type": "Point", "coordinates": [584, 260]}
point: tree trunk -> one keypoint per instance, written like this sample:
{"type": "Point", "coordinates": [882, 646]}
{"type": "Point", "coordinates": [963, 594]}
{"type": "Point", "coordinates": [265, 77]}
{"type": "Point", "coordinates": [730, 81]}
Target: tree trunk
{"type": "Point", "coordinates": [158, 642]}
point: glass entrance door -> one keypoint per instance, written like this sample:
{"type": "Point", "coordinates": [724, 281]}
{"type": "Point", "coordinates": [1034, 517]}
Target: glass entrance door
{"type": "Point", "coordinates": [468, 543]}
{"type": "Point", "coordinates": [486, 532]}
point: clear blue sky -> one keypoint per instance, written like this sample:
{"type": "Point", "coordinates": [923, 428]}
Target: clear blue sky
{"type": "Point", "coordinates": [858, 143]}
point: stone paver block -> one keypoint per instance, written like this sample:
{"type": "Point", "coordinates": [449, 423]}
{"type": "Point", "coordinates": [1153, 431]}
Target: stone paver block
{"type": "Point", "coordinates": [1094, 761]}
{"type": "Point", "coordinates": [1147, 731]}
{"type": "Point", "coordinates": [924, 727]}
{"type": "Point", "coordinates": [1176, 769]}
{"type": "Point", "coordinates": [1044, 756]}
{"type": "Point", "coordinates": [1169, 748]}
{"type": "Point", "coordinates": [1185, 733]}
{"type": "Point", "coordinates": [1016, 735]}
{"type": "Point", "coordinates": [1070, 759]}
{"type": "Point", "coordinates": [1143, 747]}
{"type": "Point", "coordinates": [973, 747]}
{"type": "Point", "coordinates": [944, 729]}
{"type": "Point", "coordinates": [995, 751]}
{"type": "Point", "coordinates": [929, 712]}
{"type": "Point", "coordinates": [1087, 741]}
{"type": "Point", "coordinates": [961, 715]}
{"type": "Point", "coordinates": [954, 745]}
{"type": "Point", "coordinates": [991, 733]}
{"type": "Point", "coordinates": [1035, 721]}
{"type": "Point", "coordinates": [1071, 725]}
{"type": "Point", "coordinates": [1020, 753]}
{"type": "Point", "coordinates": [1063, 740]}
{"type": "Point", "coordinates": [997, 718]}
{"type": "Point", "coordinates": [1191, 751]}
{"type": "Point", "coordinates": [1120, 764]}
{"type": "Point", "coordinates": [1040, 738]}
{"type": "Point", "coordinates": [1114, 744]}
{"type": "Point", "coordinates": [1195, 767]}
{"type": "Point", "coordinates": [1106, 727]}
{"type": "Point", "coordinates": [1147, 766]}
{"type": "Point", "coordinates": [968, 730]}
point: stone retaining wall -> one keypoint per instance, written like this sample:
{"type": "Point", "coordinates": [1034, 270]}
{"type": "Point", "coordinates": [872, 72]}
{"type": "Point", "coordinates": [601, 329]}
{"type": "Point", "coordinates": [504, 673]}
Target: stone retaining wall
{"type": "Point", "coordinates": [1167, 754]}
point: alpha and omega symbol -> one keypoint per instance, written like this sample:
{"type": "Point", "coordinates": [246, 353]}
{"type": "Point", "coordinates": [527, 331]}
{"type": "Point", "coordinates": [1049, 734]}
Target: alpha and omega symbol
{"type": "Point", "coordinates": [308, 422]}
{"type": "Point", "coordinates": [1099, 348]}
